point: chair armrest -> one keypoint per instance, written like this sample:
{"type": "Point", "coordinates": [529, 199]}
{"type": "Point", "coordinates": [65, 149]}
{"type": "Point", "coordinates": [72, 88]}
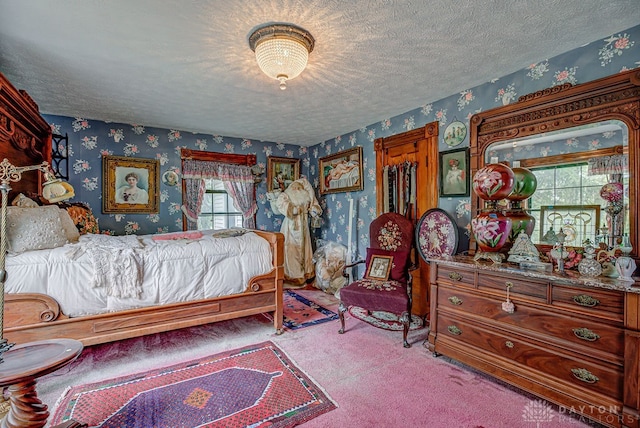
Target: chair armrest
{"type": "Point", "coordinates": [349, 266]}
{"type": "Point", "coordinates": [354, 264]}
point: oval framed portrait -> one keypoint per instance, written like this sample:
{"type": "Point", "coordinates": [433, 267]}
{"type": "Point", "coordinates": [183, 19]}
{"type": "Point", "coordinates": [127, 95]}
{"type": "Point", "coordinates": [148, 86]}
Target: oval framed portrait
{"type": "Point", "coordinates": [455, 133]}
{"type": "Point", "coordinates": [170, 178]}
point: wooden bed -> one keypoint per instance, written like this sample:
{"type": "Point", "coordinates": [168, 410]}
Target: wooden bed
{"type": "Point", "coordinates": [25, 139]}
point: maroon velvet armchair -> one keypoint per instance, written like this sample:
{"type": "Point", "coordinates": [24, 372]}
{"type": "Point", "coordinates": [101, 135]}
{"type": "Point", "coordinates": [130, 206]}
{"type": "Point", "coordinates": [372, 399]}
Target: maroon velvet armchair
{"type": "Point", "coordinates": [386, 285]}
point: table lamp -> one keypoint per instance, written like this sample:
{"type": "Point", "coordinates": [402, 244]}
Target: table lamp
{"type": "Point", "coordinates": [54, 190]}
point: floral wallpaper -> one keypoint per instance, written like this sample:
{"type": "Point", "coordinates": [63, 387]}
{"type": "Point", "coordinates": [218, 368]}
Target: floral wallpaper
{"type": "Point", "coordinates": [90, 139]}
{"type": "Point", "coordinates": [619, 52]}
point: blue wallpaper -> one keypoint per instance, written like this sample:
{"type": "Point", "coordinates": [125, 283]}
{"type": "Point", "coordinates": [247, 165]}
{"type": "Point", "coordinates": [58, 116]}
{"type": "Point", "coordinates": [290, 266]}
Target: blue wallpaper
{"type": "Point", "coordinates": [616, 53]}
{"type": "Point", "coordinates": [90, 139]}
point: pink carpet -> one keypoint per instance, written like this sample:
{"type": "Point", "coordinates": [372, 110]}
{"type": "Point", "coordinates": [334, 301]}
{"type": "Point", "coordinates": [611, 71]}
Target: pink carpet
{"type": "Point", "coordinates": [370, 376]}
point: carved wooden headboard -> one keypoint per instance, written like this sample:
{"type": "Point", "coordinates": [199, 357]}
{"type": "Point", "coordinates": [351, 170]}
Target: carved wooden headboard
{"type": "Point", "coordinates": [25, 137]}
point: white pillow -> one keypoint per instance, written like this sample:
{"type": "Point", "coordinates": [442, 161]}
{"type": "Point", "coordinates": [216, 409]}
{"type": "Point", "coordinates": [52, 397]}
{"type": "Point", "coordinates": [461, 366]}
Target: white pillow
{"type": "Point", "coordinates": [69, 227]}
{"type": "Point", "coordinates": [34, 229]}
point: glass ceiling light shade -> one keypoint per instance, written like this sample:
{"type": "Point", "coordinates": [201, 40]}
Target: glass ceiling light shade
{"type": "Point", "coordinates": [282, 50]}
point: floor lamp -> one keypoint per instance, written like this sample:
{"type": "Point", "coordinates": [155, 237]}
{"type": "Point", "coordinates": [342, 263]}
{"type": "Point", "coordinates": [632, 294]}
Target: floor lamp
{"type": "Point", "coordinates": [22, 364]}
{"type": "Point", "coordinates": [54, 190]}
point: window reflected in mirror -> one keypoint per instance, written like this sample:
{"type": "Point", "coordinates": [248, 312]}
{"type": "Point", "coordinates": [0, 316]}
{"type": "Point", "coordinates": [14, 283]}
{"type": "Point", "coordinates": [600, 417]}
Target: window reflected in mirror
{"type": "Point", "coordinates": [582, 181]}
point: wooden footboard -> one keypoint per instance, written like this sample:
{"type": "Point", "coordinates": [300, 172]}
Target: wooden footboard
{"type": "Point", "coordinates": [30, 317]}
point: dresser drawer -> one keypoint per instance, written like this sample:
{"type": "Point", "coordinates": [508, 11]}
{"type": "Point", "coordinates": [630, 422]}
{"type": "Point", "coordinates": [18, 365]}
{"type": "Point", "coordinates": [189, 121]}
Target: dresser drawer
{"type": "Point", "coordinates": [454, 275]}
{"type": "Point", "coordinates": [587, 335]}
{"type": "Point", "coordinates": [524, 287]}
{"type": "Point", "coordinates": [572, 369]}
{"type": "Point", "coordinates": [592, 302]}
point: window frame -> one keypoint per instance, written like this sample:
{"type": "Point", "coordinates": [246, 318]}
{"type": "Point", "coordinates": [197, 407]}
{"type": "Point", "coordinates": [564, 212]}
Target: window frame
{"type": "Point", "coordinates": [229, 215]}
{"type": "Point", "coordinates": [228, 158]}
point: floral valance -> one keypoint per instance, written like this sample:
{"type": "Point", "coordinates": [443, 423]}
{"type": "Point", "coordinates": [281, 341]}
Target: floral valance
{"type": "Point", "coordinates": [197, 169]}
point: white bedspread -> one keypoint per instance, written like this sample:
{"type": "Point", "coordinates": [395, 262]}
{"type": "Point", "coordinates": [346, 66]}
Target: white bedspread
{"type": "Point", "coordinates": [173, 271]}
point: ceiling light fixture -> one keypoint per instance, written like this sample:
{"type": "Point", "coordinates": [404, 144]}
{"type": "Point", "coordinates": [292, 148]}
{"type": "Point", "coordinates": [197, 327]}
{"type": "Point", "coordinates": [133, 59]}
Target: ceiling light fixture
{"type": "Point", "coordinates": [282, 50]}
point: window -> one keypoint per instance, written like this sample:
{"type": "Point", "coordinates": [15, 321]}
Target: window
{"type": "Point", "coordinates": [218, 210]}
{"type": "Point", "coordinates": [569, 197]}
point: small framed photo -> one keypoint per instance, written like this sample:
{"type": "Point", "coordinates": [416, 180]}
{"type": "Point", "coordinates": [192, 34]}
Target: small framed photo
{"type": "Point", "coordinates": [379, 268]}
{"type": "Point", "coordinates": [341, 172]}
{"type": "Point", "coordinates": [170, 178]}
{"type": "Point", "coordinates": [281, 172]}
{"type": "Point", "coordinates": [130, 185]}
{"type": "Point", "coordinates": [454, 173]}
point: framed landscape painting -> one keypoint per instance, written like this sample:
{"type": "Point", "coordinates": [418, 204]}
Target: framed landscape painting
{"type": "Point", "coordinates": [130, 185]}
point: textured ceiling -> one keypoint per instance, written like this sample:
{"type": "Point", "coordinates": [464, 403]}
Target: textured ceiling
{"type": "Point", "coordinates": [187, 64]}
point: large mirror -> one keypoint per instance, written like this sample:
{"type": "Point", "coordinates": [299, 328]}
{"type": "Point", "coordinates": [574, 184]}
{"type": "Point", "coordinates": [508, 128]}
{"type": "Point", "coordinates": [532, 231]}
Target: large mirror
{"type": "Point", "coordinates": [581, 144]}
{"type": "Point", "coordinates": [578, 171]}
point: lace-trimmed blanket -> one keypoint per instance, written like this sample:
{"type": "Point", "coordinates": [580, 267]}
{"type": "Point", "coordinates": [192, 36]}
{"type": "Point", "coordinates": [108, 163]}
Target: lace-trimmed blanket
{"type": "Point", "coordinates": [118, 267]}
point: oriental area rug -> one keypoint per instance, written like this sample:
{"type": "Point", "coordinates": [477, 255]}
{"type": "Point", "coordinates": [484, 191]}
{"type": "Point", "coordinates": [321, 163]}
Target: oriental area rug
{"type": "Point", "coordinates": [301, 311]}
{"type": "Point", "coordinates": [256, 386]}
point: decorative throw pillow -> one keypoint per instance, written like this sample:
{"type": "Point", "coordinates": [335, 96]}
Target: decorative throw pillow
{"type": "Point", "coordinates": [69, 227]}
{"type": "Point", "coordinates": [34, 229]}
{"type": "Point", "coordinates": [82, 217]}
{"type": "Point", "coordinates": [399, 264]}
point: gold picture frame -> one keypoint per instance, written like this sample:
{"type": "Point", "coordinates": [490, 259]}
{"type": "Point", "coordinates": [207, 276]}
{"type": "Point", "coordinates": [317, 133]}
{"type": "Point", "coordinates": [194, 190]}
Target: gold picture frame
{"type": "Point", "coordinates": [341, 172]}
{"type": "Point", "coordinates": [130, 185]}
{"type": "Point", "coordinates": [281, 172]}
{"type": "Point", "coordinates": [379, 268]}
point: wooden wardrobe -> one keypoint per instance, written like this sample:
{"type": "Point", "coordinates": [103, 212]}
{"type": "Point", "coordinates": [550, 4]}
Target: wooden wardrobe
{"type": "Point", "coordinates": [419, 146]}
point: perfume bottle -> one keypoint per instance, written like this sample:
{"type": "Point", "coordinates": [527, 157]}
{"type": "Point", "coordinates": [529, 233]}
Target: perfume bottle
{"type": "Point", "coordinates": [589, 266]}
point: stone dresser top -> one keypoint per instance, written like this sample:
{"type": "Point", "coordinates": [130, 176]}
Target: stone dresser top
{"type": "Point", "coordinates": [569, 277]}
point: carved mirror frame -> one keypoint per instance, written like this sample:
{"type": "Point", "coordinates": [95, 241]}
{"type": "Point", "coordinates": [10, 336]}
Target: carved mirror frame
{"type": "Point", "coordinates": [616, 97]}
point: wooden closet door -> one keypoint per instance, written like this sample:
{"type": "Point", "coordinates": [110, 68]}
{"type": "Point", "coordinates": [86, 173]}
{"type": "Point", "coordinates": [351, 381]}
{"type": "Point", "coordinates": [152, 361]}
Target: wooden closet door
{"type": "Point", "coordinates": [419, 146]}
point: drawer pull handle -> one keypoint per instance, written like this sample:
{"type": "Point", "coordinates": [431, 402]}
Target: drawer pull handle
{"type": "Point", "coordinates": [455, 276]}
{"type": "Point", "coordinates": [509, 344]}
{"type": "Point", "coordinates": [455, 300]}
{"type": "Point", "coordinates": [454, 330]}
{"type": "Point", "coordinates": [584, 375]}
{"type": "Point", "coordinates": [586, 300]}
{"type": "Point", "coordinates": [586, 334]}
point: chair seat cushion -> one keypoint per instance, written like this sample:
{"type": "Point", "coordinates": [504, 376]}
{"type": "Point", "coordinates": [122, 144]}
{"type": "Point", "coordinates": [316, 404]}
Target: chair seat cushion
{"type": "Point", "coordinates": [390, 295]}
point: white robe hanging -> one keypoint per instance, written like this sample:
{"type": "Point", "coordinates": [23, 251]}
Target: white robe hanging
{"type": "Point", "coordinates": [297, 202]}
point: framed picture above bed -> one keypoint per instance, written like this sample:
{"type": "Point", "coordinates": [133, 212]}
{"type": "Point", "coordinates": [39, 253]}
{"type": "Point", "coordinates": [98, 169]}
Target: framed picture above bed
{"type": "Point", "coordinates": [130, 185]}
{"type": "Point", "coordinates": [341, 172]}
{"type": "Point", "coordinates": [281, 172]}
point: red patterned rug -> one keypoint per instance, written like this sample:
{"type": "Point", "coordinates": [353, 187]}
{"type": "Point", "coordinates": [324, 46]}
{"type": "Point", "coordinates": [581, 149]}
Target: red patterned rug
{"type": "Point", "coordinates": [257, 386]}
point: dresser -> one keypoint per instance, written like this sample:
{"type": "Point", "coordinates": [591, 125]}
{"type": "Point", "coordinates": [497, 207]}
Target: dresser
{"type": "Point", "coordinates": [571, 340]}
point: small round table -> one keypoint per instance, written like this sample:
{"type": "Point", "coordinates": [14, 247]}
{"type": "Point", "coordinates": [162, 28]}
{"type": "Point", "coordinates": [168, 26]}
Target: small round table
{"type": "Point", "coordinates": [21, 366]}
